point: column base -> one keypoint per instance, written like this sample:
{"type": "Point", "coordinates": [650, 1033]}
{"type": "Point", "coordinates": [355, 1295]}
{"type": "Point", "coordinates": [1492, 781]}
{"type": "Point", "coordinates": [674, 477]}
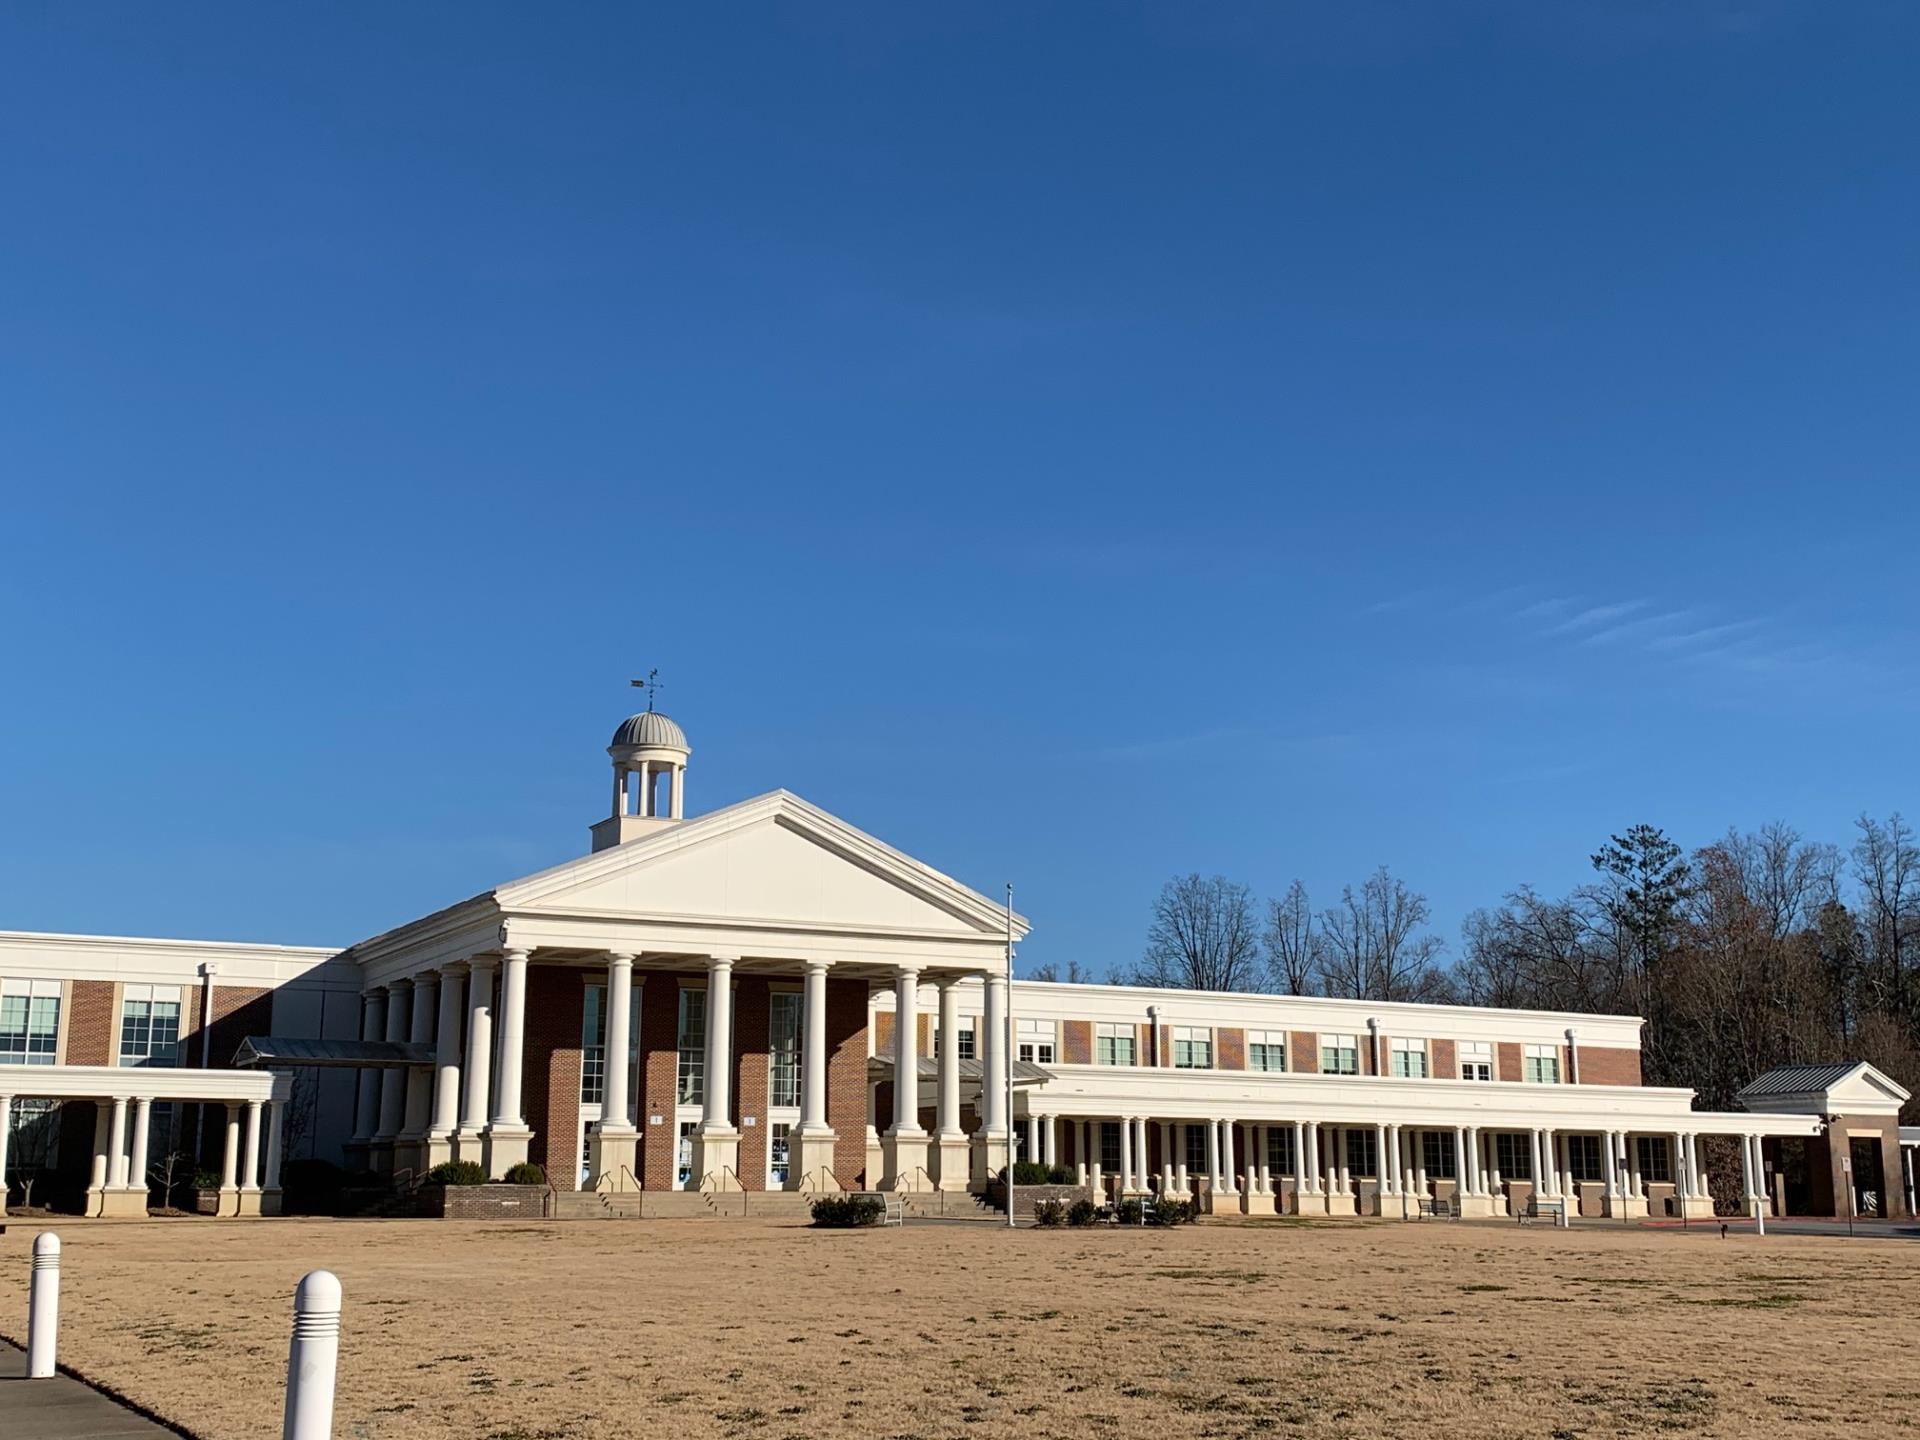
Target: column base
{"type": "Point", "coordinates": [1697, 1207]}
{"type": "Point", "coordinates": [810, 1167]}
{"type": "Point", "coordinates": [468, 1145]}
{"type": "Point", "coordinates": [716, 1160]}
{"type": "Point", "coordinates": [1476, 1207]}
{"type": "Point", "coordinates": [876, 1161]}
{"type": "Point", "coordinates": [613, 1158]}
{"type": "Point", "coordinates": [229, 1203]}
{"type": "Point", "coordinates": [248, 1202]}
{"type": "Point", "coordinates": [438, 1150]}
{"type": "Point", "coordinates": [270, 1202]}
{"type": "Point", "coordinates": [117, 1204]}
{"type": "Point", "coordinates": [1342, 1205]}
{"type": "Point", "coordinates": [502, 1148]}
{"type": "Point", "coordinates": [903, 1161]}
{"type": "Point", "coordinates": [1633, 1207]}
{"type": "Point", "coordinates": [989, 1159]}
{"type": "Point", "coordinates": [1259, 1203]}
{"type": "Point", "coordinates": [952, 1163]}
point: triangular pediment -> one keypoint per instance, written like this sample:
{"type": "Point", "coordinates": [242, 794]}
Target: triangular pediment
{"type": "Point", "coordinates": [773, 860]}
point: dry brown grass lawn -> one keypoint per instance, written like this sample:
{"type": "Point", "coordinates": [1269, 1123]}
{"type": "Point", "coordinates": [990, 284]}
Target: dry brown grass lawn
{"type": "Point", "coordinates": [763, 1329]}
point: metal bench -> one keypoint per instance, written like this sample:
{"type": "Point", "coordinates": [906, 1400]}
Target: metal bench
{"type": "Point", "coordinates": [1536, 1209]}
{"type": "Point", "coordinates": [896, 1211]}
{"type": "Point", "coordinates": [1431, 1208]}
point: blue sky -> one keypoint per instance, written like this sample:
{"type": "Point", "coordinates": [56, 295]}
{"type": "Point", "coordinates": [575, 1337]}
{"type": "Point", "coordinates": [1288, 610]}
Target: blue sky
{"type": "Point", "coordinates": [1078, 444]}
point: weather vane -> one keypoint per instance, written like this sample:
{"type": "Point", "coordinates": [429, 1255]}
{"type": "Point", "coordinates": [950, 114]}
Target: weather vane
{"type": "Point", "coordinates": [651, 685]}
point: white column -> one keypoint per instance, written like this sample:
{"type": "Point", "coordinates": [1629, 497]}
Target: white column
{"type": "Point", "coordinates": [1697, 1168]}
{"type": "Point", "coordinates": [1677, 1165]}
{"type": "Point", "coordinates": [393, 1083]}
{"type": "Point", "coordinates": [1420, 1161]}
{"type": "Point", "coordinates": [1080, 1156]}
{"type": "Point", "coordinates": [418, 1106]}
{"type": "Point", "coordinates": [1033, 1137]}
{"type": "Point", "coordinates": [1126, 1154]}
{"type": "Point", "coordinates": [479, 1057]}
{"type": "Point", "coordinates": [616, 1105]}
{"type": "Point", "coordinates": [1213, 1155]}
{"type": "Point", "coordinates": [1749, 1188]}
{"type": "Point", "coordinates": [250, 1170]}
{"type": "Point", "coordinates": [677, 801]}
{"type": "Point", "coordinates": [644, 772]}
{"type": "Point", "coordinates": [1460, 1165]}
{"type": "Point", "coordinates": [1345, 1157]}
{"type": "Point", "coordinates": [906, 1055]}
{"type": "Point", "coordinates": [446, 1053]}
{"type": "Point", "coordinates": [230, 1154]}
{"type": "Point", "coordinates": [1476, 1181]}
{"type": "Point", "coordinates": [1170, 1186]}
{"type": "Point", "coordinates": [1263, 1151]}
{"type": "Point", "coordinates": [513, 1028]}
{"type": "Point", "coordinates": [716, 1112]}
{"type": "Point", "coordinates": [1636, 1179]}
{"type": "Point", "coordinates": [117, 1146]}
{"type": "Point", "coordinates": [1299, 1157]}
{"type": "Point", "coordinates": [1311, 1159]}
{"type": "Point", "coordinates": [276, 1132]}
{"type": "Point", "coordinates": [366, 1110]}
{"type": "Point", "coordinates": [1143, 1154]}
{"type": "Point", "coordinates": [1383, 1163]}
{"type": "Point", "coordinates": [993, 1110]}
{"type": "Point", "coordinates": [947, 1112]}
{"type": "Point", "coordinates": [136, 1160]}
{"type": "Point", "coordinates": [1611, 1174]}
{"type": "Point", "coordinates": [813, 1058]}
{"type": "Point", "coordinates": [1228, 1167]}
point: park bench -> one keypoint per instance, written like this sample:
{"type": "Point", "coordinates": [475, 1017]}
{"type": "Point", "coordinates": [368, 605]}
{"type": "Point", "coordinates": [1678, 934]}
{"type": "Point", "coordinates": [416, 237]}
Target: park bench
{"type": "Point", "coordinates": [1538, 1209]}
{"type": "Point", "coordinates": [1431, 1208]}
{"type": "Point", "coordinates": [896, 1211]}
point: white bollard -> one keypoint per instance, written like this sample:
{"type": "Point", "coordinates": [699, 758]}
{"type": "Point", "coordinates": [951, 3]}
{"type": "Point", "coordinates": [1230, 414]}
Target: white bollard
{"type": "Point", "coordinates": [314, 1358]}
{"type": "Point", "coordinates": [43, 1306]}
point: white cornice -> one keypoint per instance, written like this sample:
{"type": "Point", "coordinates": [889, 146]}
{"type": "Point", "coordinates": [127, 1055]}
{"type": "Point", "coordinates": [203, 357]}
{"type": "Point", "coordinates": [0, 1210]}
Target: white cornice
{"type": "Point", "coordinates": [141, 1082]}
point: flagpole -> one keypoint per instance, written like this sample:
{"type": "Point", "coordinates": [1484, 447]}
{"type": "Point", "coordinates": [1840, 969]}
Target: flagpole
{"type": "Point", "coordinates": [1006, 1041]}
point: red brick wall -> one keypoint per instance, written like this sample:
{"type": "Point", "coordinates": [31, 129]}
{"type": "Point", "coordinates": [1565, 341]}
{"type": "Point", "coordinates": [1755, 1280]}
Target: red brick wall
{"type": "Point", "coordinates": [238, 1011]}
{"type": "Point", "coordinates": [847, 1081]}
{"type": "Point", "coordinates": [1609, 1065]}
{"type": "Point", "coordinates": [1446, 1059]}
{"type": "Point", "coordinates": [1230, 1048]}
{"type": "Point", "coordinates": [659, 1072]}
{"type": "Point", "coordinates": [1164, 1054]}
{"type": "Point", "coordinates": [1076, 1042]}
{"type": "Point", "coordinates": [883, 1034]}
{"type": "Point", "coordinates": [1366, 1041]}
{"type": "Point", "coordinates": [550, 1064]}
{"type": "Point", "coordinates": [1507, 1061]}
{"type": "Point", "coordinates": [1306, 1052]}
{"type": "Point", "coordinates": [751, 1060]}
{"type": "Point", "coordinates": [90, 1023]}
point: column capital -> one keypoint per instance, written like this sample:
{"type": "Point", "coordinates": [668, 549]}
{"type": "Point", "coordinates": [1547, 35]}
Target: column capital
{"type": "Point", "coordinates": [817, 964]}
{"type": "Point", "coordinates": [945, 980]}
{"type": "Point", "coordinates": [621, 957]}
{"type": "Point", "coordinates": [478, 963]}
{"type": "Point", "coordinates": [722, 962]}
{"type": "Point", "coordinates": [515, 954]}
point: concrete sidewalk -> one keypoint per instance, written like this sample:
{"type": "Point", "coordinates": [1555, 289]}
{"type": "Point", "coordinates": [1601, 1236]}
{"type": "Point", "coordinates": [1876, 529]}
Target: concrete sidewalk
{"type": "Point", "coordinates": [64, 1409]}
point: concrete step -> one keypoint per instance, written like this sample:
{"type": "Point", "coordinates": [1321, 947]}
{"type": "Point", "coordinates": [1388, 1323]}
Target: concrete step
{"type": "Point", "coordinates": [678, 1204]}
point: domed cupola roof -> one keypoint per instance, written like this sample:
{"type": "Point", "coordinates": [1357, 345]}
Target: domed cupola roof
{"type": "Point", "coordinates": [649, 730]}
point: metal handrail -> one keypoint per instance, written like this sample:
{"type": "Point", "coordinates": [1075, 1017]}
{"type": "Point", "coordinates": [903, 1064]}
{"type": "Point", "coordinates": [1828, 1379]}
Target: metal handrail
{"type": "Point", "coordinates": [600, 1180]}
{"type": "Point", "coordinates": [724, 1171]}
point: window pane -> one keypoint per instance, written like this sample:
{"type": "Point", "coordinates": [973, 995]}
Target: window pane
{"type": "Point", "coordinates": [693, 1046]}
{"type": "Point", "coordinates": [783, 1042]}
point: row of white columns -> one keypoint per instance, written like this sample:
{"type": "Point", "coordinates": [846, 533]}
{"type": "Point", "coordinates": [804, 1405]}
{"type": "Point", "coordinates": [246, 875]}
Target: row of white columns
{"type": "Point", "coordinates": [1322, 1163]}
{"type": "Point", "coordinates": [120, 1164]}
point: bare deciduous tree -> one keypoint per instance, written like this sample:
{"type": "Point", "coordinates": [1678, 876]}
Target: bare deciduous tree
{"type": "Point", "coordinates": [1292, 943]}
{"type": "Point", "coordinates": [1373, 946]}
{"type": "Point", "coordinates": [1202, 937]}
{"type": "Point", "coordinates": [1076, 973]}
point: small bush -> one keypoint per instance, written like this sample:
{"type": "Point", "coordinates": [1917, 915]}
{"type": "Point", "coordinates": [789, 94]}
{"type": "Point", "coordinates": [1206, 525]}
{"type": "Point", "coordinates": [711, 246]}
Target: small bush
{"type": "Point", "coordinates": [1032, 1172]}
{"type": "Point", "coordinates": [205, 1180]}
{"type": "Point", "coordinates": [1129, 1212]}
{"type": "Point", "coordinates": [525, 1173]}
{"type": "Point", "coordinates": [1169, 1210]}
{"type": "Point", "coordinates": [1050, 1214]}
{"type": "Point", "coordinates": [1080, 1213]}
{"type": "Point", "coordinates": [457, 1172]}
{"type": "Point", "coordinates": [848, 1212]}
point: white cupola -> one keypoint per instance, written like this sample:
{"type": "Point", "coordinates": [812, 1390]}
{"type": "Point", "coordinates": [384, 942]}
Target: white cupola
{"type": "Point", "coordinates": [646, 747]}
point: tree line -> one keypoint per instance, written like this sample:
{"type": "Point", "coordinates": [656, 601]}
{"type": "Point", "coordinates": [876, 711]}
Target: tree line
{"type": "Point", "coordinates": [1758, 949]}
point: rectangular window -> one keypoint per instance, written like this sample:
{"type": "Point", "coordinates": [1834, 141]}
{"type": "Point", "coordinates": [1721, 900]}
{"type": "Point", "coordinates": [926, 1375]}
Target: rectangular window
{"type": "Point", "coordinates": [1656, 1159]}
{"type": "Point", "coordinates": [693, 1047]}
{"type": "Point", "coordinates": [33, 1136]}
{"type": "Point", "coordinates": [1476, 1060]}
{"type": "Point", "coordinates": [1339, 1055]}
{"type": "Point", "coordinates": [150, 1025]}
{"type": "Point", "coordinates": [29, 1022]}
{"type": "Point", "coordinates": [1110, 1146]}
{"type": "Point", "coordinates": [1436, 1153]}
{"type": "Point", "coordinates": [1192, 1047]}
{"type": "Point", "coordinates": [783, 1048]}
{"type": "Point", "coordinates": [593, 1046]}
{"type": "Point", "coordinates": [1267, 1050]}
{"type": "Point", "coordinates": [1409, 1058]}
{"type": "Point", "coordinates": [1363, 1152]}
{"type": "Point", "coordinates": [968, 1045]}
{"type": "Point", "coordinates": [1114, 1044]}
{"type": "Point", "coordinates": [1514, 1155]}
{"type": "Point", "coordinates": [1196, 1149]}
{"type": "Point", "coordinates": [1280, 1150]}
{"type": "Point", "coordinates": [1035, 1040]}
{"type": "Point", "coordinates": [1542, 1065]}
{"type": "Point", "coordinates": [1585, 1161]}
{"type": "Point", "coordinates": [777, 1152]}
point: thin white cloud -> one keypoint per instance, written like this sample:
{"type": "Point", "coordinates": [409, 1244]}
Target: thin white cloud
{"type": "Point", "coordinates": [1595, 615]}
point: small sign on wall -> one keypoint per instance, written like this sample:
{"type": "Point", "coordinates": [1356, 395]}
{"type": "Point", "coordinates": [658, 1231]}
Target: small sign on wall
{"type": "Point", "coordinates": [750, 1120]}
{"type": "Point", "coordinates": [656, 1120]}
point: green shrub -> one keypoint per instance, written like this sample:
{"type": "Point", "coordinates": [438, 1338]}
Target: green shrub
{"type": "Point", "coordinates": [1129, 1212]}
{"type": "Point", "coordinates": [1050, 1214]}
{"type": "Point", "coordinates": [457, 1172]}
{"type": "Point", "coordinates": [1029, 1172]}
{"type": "Point", "coordinates": [1168, 1210]}
{"type": "Point", "coordinates": [1080, 1213]}
{"type": "Point", "coordinates": [848, 1212]}
{"type": "Point", "coordinates": [525, 1173]}
{"type": "Point", "coordinates": [205, 1180]}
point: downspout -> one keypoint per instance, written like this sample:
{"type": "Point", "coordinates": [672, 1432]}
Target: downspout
{"type": "Point", "coordinates": [1373, 1043]}
{"type": "Point", "coordinates": [1573, 1056]}
{"type": "Point", "coordinates": [1153, 1035]}
{"type": "Point", "coordinates": [207, 971]}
